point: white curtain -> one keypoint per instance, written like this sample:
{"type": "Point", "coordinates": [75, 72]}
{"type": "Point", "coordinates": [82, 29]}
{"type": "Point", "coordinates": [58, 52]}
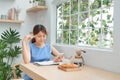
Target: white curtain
{"type": "Point", "coordinates": [57, 2]}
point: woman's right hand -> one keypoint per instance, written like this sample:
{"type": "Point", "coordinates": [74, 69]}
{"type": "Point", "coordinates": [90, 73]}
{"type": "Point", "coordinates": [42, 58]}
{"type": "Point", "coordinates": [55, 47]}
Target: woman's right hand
{"type": "Point", "coordinates": [27, 38]}
{"type": "Point", "coordinates": [26, 48]}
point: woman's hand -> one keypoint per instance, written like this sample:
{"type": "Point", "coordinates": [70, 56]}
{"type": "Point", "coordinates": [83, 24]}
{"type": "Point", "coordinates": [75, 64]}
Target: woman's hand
{"type": "Point", "coordinates": [27, 38]}
{"type": "Point", "coordinates": [26, 49]}
{"type": "Point", "coordinates": [59, 58]}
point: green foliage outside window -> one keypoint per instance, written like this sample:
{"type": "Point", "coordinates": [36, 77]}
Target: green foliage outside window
{"type": "Point", "coordinates": [85, 22]}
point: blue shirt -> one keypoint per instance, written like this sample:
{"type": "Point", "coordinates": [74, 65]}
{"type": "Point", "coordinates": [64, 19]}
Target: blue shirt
{"type": "Point", "coordinates": [39, 54]}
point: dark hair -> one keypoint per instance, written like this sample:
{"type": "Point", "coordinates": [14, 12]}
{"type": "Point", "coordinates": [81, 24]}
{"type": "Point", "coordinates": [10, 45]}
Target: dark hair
{"type": "Point", "coordinates": [37, 28]}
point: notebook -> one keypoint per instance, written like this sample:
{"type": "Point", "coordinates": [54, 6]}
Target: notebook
{"type": "Point", "coordinates": [44, 63]}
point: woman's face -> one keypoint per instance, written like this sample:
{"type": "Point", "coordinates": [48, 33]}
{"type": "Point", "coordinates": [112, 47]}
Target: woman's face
{"type": "Point", "coordinates": [40, 37]}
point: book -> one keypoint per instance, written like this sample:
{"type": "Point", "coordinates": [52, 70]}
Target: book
{"type": "Point", "coordinates": [45, 63]}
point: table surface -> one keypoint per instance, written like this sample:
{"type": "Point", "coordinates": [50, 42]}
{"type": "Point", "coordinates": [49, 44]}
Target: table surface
{"type": "Point", "coordinates": [53, 73]}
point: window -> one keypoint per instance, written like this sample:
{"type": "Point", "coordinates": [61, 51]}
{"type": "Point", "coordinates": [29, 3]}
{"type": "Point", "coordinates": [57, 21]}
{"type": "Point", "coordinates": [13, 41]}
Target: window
{"type": "Point", "coordinates": [86, 23]}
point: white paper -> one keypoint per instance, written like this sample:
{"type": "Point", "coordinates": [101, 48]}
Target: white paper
{"type": "Point", "coordinates": [46, 63]}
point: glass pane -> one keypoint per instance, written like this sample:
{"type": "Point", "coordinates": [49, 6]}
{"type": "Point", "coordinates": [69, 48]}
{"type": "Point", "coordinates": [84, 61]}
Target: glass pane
{"type": "Point", "coordinates": [74, 19]}
{"type": "Point", "coordinates": [66, 21]}
{"type": "Point", "coordinates": [94, 37]}
{"type": "Point", "coordinates": [74, 6]}
{"type": "Point", "coordinates": [73, 36]}
{"type": "Point", "coordinates": [95, 4]}
{"type": "Point", "coordinates": [107, 17]}
{"type": "Point", "coordinates": [59, 23]}
{"type": "Point", "coordinates": [59, 17]}
{"type": "Point", "coordinates": [95, 19]}
{"type": "Point", "coordinates": [84, 16]}
{"type": "Point", "coordinates": [66, 8]}
{"type": "Point", "coordinates": [65, 37]}
{"type": "Point", "coordinates": [59, 11]}
{"type": "Point", "coordinates": [107, 3]}
{"type": "Point", "coordinates": [83, 25]}
{"type": "Point", "coordinates": [83, 19]}
{"type": "Point", "coordinates": [83, 36]}
{"type": "Point", "coordinates": [107, 40]}
{"type": "Point", "coordinates": [74, 27]}
{"type": "Point", "coordinates": [59, 36]}
{"type": "Point", "coordinates": [83, 5]}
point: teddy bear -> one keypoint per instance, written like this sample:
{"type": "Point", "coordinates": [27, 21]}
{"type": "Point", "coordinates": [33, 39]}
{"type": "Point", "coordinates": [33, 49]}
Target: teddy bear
{"type": "Point", "coordinates": [78, 58]}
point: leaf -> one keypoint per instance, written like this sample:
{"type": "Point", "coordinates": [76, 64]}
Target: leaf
{"type": "Point", "coordinates": [10, 36]}
{"type": "Point", "coordinates": [14, 52]}
{"type": "Point", "coordinates": [8, 51]}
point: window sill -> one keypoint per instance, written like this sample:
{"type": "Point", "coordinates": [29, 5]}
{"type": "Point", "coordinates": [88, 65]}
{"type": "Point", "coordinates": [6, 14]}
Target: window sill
{"type": "Point", "coordinates": [99, 50]}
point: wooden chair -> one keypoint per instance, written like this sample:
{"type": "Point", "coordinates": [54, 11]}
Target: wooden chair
{"type": "Point", "coordinates": [14, 72]}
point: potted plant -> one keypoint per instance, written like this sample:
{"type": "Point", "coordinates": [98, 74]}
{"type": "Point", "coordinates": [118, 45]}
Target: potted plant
{"type": "Point", "coordinates": [37, 2]}
{"type": "Point", "coordinates": [9, 50]}
{"type": "Point", "coordinates": [41, 2]}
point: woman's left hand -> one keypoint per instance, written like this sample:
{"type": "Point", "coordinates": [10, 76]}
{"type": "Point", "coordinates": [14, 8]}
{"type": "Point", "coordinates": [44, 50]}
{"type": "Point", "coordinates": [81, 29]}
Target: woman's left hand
{"type": "Point", "coordinates": [58, 58]}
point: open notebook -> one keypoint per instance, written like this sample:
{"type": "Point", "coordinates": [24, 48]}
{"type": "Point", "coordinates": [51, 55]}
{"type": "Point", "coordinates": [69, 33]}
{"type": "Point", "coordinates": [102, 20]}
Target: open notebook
{"type": "Point", "coordinates": [46, 63]}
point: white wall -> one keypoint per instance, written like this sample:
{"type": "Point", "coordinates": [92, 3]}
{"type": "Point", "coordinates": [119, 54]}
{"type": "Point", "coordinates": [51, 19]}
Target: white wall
{"type": "Point", "coordinates": [108, 60]}
{"type": "Point", "coordinates": [30, 19]}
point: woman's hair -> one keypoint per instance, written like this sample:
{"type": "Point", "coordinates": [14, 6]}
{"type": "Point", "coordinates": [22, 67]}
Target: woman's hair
{"type": "Point", "coordinates": [37, 28]}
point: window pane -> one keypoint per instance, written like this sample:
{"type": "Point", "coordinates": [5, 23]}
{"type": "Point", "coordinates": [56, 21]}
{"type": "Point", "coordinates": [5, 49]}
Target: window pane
{"type": "Point", "coordinates": [66, 8]}
{"type": "Point", "coordinates": [83, 20]}
{"type": "Point", "coordinates": [95, 18]}
{"type": "Point", "coordinates": [59, 23]}
{"type": "Point", "coordinates": [84, 17]}
{"type": "Point", "coordinates": [74, 6]}
{"type": "Point", "coordinates": [83, 5]}
{"type": "Point", "coordinates": [65, 37]}
{"type": "Point", "coordinates": [59, 11]}
{"type": "Point", "coordinates": [107, 40]}
{"type": "Point", "coordinates": [59, 37]}
{"type": "Point", "coordinates": [107, 17]}
{"type": "Point", "coordinates": [66, 21]}
{"type": "Point", "coordinates": [74, 20]}
{"type": "Point", "coordinates": [107, 3]}
{"type": "Point", "coordinates": [94, 37]}
{"type": "Point", "coordinates": [83, 36]}
{"type": "Point", "coordinates": [73, 36]}
{"type": "Point", "coordinates": [95, 4]}
{"type": "Point", "coordinates": [59, 17]}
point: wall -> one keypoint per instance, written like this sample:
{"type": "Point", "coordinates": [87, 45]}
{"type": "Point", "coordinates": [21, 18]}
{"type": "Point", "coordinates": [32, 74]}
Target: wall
{"type": "Point", "coordinates": [30, 19]}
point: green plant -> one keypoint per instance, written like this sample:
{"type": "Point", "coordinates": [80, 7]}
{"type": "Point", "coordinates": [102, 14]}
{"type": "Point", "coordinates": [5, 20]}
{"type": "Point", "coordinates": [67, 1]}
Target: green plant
{"type": "Point", "coordinates": [40, 2]}
{"type": "Point", "coordinates": [9, 49]}
{"type": "Point", "coordinates": [86, 23]}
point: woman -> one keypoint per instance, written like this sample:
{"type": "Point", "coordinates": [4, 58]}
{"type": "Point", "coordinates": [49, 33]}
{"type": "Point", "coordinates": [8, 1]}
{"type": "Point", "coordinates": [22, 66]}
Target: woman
{"type": "Point", "coordinates": [37, 49]}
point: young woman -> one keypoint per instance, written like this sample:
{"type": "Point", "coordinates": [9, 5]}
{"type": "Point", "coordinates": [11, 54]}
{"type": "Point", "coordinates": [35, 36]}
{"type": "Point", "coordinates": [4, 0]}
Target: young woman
{"type": "Point", "coordinates": [35, 49]}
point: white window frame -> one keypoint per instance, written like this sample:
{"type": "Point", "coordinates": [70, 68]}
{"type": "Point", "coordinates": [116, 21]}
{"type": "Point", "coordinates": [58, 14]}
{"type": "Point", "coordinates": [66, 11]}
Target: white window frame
{"type": "Point", "coordinates": [69, 36]}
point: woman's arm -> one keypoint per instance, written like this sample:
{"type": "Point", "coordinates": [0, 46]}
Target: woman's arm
{"type": "Point", "coordinates": [26, 49]}
{"type": "Point", "coordinates": [58, 55]}
{"type": "Point", "coordinates": [54, 51]}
